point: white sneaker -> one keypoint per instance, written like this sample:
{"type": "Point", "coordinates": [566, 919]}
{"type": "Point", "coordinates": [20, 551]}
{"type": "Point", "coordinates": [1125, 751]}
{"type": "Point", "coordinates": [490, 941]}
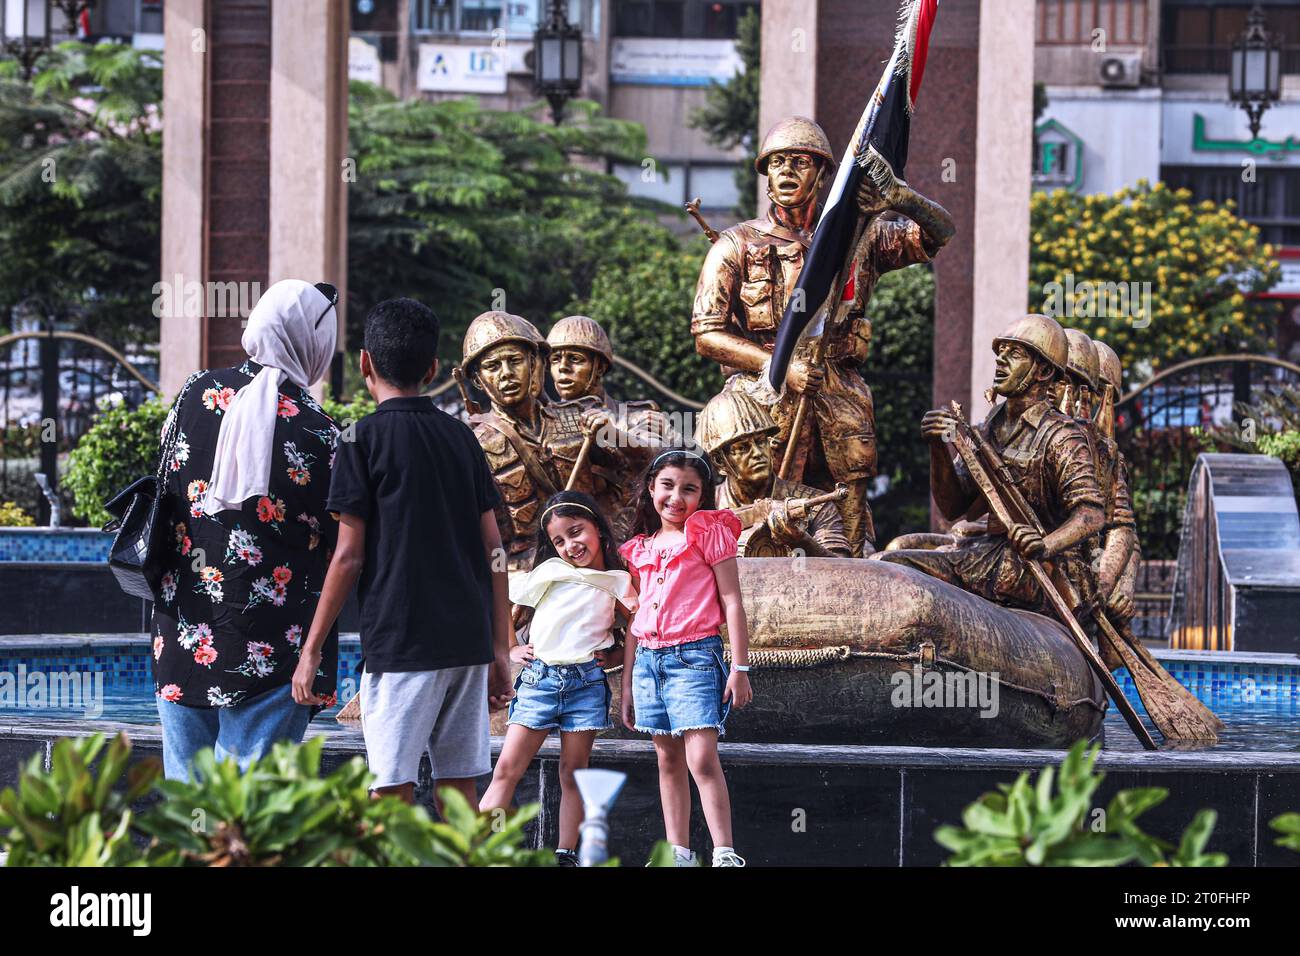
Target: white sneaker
{"type": "Point", "coordinates": [728, 858]}
{"type": "Point", "coordinates": [692, 860]}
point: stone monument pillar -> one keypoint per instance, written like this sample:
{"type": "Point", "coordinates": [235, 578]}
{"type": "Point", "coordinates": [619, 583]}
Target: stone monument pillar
{"type": "Point", "coordinates": [254, 189]}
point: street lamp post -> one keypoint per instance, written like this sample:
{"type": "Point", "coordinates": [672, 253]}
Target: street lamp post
{"type": "Point", "coordinates": [1255, 77]}
{"type": "Point", "coordinates": [26, 31]}
{"type": "Point", "coordinates": [557, 59]}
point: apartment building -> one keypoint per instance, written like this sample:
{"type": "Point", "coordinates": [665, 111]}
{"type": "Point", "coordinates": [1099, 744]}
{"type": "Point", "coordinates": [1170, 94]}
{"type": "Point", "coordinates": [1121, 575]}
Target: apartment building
{"type": "Point", "coordinates": [1138, 89]}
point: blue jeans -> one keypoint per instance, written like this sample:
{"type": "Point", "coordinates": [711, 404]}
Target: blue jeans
{"type": "Point", "coordinates": [246, 731]}
{"type": "Point", "coordinates": [680, 688]}
{"type": "Point", "coordinates": [572, 697]}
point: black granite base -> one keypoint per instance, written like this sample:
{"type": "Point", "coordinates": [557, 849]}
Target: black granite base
{"type": "Point", "coordinates": [78, 597]}
{"type": "Point", "coordinates": [796, 805]}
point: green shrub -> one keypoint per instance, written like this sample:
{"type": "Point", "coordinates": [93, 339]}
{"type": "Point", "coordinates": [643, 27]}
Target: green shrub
{"type": "Point", "coordinates": [13, 516]}
{"type": "Point", "coordinates": [71, 815]}
{"type": "Point", "coordinates": [1044, 826]}
{"type": "Point", "coordinates": [280, 812]}
{"type": "Point", "coordinates": [343, 411]}
{"type": "Point", "coordinates": [120, 446]}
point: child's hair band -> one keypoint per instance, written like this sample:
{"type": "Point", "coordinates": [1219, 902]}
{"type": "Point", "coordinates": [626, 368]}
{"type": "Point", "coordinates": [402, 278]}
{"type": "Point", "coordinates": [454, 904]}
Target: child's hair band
{"type": "Point", "coordinates": [708, 469]}
{"type": "Point", "coordinates": [564, 504]}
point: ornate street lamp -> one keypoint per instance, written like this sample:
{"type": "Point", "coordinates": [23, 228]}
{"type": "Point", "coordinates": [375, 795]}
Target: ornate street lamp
{"type": "Point", "coordinates": [26, 31]}
{"type": "Point", "coordinates": [557, 59]}
{"type": "Point", "coordinates": [1255, 77]}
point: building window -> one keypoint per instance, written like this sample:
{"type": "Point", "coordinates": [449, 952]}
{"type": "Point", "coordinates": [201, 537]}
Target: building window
{"type": "Point", "coordinates": [676, 182]}
{"type": "Point", "coordinates": [1272, 202]}
{"type": "Point", "coordinates": [518, 18]}
{"type": "Point", "coordinates": [1197, 37]}
{"type": "Point", "coordinates": [679, 19]}
{"type": "Point", "coordinates": [1073, 23]}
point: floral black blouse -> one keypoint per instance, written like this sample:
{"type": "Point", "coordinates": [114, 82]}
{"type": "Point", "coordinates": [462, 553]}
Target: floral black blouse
{"type": "Point", "coordinates": [240, 588]}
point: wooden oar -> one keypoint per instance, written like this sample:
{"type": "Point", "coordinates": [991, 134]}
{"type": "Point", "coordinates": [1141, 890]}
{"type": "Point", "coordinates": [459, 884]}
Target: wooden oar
{"type": "Point", "coordinates": [1175, 710]}
{"type": "Point", "coordinates": [999, 508]}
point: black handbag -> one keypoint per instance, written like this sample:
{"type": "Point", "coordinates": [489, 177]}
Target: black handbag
{"type": "Point", "coordinates": [136, 556]}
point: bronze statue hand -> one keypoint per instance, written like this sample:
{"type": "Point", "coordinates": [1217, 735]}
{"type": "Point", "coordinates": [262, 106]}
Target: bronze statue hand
{"type": "Point", "coordinates": [803, 377]}
{"type": "Point", "coordinates": [600, 423]}
{"type": "Point", "coordinates": [1027, 541]}
{"type": "Point", "coordinates": [870, 201]}
{"type": "Point", "coordinates": [785, 529]}
{"type": "Point", "coordinates": [1120, 604]}
{"type": "Point", "coordinates": [938, 425]}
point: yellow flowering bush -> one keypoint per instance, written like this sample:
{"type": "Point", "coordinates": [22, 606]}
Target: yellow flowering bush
{"type": "Point", "coordinates": [1155, 275]}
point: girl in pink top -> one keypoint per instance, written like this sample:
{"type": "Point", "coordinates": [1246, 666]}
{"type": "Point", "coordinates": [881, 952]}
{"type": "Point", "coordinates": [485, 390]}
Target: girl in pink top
{"type": "Point", "coordinates": [675, 684]}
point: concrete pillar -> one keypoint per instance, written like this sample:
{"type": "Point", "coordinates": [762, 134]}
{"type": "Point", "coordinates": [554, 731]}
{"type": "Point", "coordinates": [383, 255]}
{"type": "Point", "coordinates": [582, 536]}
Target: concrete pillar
{"type": "Point", "coordinates": [183, 193]}
{"type": "Point", "coordinates": [255, 127]}
{"type": "Point", "coordinates": [1004, 146]}
{"type": "Point", "coordinates": [309, 132]}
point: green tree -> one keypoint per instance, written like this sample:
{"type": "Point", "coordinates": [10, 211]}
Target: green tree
{"type": "Point", "coordinates": [900, 372]}
{"type": "Point", "coordinates": [471, 209]}
{"type": "Point", "coordinates": [729, 116]}
{"type": "Point", "coordinates": [1200, 261]}
{"type": "Point", "coordinates": [644, 303]}
{"type": "Point", "coordinates": [80, 189]}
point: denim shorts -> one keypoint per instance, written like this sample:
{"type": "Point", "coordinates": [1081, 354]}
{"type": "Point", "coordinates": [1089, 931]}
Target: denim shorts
{"type": "Point", "coordinates": [572, 697]}
{"type": "Point", "coordinates": [680, 688]}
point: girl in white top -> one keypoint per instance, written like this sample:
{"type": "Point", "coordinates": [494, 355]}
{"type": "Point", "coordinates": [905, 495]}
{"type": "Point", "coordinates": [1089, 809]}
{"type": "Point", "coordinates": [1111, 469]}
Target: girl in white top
{"type": "Point", "coordinates": [576, 588]}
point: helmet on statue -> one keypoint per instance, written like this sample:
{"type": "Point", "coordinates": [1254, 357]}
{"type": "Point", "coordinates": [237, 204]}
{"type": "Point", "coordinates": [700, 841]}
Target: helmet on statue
{"type": "Point", "coordinates": [1081, 360]}
{"type": "Point", "coordinates": [794, 134]}
{"type": "Point", "coordinates": [1041, 334]}
{"type": "Point", "coordinates": [1112, 370]}
{"type": "Point", "coordinates": [581, 332]}
{"type": "Point", "coordinates": [493, 328]}
{"type": "Point", "coordinates": [730, 415]}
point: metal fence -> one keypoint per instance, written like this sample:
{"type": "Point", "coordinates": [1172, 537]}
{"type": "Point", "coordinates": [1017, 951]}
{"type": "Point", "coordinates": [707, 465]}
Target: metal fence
{"type": "Point", "coordinates": [52, 384]}
{"type": "Point", "coordinates": [1165, 423]}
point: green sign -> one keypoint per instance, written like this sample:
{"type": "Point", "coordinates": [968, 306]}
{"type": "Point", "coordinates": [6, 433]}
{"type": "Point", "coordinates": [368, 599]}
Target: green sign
{"type": "Point", "coordinates": [1058, 157]}
{"type": "Point", "coordinates": [1259, 146]}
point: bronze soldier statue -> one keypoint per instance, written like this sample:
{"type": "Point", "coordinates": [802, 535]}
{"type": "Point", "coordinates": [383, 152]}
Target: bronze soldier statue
{"type": "Point", "coordinates": [1120, 552]}
{"type": "Point", "coordinates": [1050, 462]}
{"type": "Point", "coordinates": [633, 432]}
{"type": "Point", "coordinates": [747, 278]}
{"type": "Point", "coordinates": [531, 446]}
{"type": "Point", "coordinates": [737, 433]}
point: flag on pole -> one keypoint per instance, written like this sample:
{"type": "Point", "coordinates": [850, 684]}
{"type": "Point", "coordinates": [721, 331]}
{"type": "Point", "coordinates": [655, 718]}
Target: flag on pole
{"type": "Point", "coordinates": [878, 149]}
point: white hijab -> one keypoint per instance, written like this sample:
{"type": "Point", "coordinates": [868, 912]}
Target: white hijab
{"type": "Point", "coordinates": [288, 338]}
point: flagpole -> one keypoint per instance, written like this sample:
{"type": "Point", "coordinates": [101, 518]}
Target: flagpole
{"type": "Point", "coordinates": [818, 358]}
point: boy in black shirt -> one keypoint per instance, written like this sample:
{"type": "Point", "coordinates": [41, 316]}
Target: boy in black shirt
{"type": "Point", "coordinates": [415, 502]}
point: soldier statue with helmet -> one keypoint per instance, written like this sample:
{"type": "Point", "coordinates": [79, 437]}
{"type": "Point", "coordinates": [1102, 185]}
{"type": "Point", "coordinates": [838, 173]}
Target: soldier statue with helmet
{"type": "Point", "coordinates": [532, 446]}
{"type": "Point", "coordinates": [749, 275]}
{"type": "Point", "coordinates": [580, 357]}
{"type": "Point", "coordinates": [1048, 455]}
{"type": "Point", "coordinates": [737, 433]}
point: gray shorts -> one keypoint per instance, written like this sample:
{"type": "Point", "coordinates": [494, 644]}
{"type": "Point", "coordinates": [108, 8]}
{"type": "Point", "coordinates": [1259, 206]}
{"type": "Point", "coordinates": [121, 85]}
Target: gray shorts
{"type": "Point", "coordinates": [405, 714]}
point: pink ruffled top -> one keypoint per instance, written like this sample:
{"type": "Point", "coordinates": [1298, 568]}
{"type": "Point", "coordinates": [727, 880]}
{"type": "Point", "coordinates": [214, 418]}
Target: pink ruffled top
{"type": "Point", "coordinates": [679, 596]}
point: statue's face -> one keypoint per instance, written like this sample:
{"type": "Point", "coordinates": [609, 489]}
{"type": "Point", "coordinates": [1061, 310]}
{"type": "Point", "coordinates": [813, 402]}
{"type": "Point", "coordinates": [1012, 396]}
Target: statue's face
{"type": "Point", "coordinates": [576, 372]}
{"type": "Point", "coordinates": [505, 372]}
{"type": "Point", "coordinates": [1015, 369]}
{"type": "Point", "coordinates": [792, 178]}
{"type": "Point", "coordinates": [749, 459]}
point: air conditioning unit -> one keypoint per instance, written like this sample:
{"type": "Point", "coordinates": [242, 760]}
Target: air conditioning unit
{"type": "Point", "coordinates": [1120, 70]}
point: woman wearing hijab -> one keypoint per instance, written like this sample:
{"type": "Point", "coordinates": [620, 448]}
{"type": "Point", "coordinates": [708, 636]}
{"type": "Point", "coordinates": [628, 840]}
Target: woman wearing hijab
{"type": "Point", "coordinates": [245, 497]}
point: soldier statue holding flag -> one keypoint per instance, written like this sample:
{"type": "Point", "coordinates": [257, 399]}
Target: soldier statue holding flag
{"type": "Point", "coordinates": [750, 279]}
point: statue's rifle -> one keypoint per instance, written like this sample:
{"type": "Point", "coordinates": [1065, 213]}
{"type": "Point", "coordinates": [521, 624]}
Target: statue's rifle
{"type": "Point", "coordinates": [471, 406]}
{"type": "Point", "coordinates": [1175, 711]}
{"type": "Point", "coordinates": [796, 508]}
{"type": "Point", "coordinates": [836, 309]}
{"type": "Point", "coordinates": [693, 207]}
{"type": "Point", "coordinates": [967, 440]}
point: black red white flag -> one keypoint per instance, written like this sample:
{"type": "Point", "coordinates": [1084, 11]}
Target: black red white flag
{"type": "Point", "coordinates": [878, 149]}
